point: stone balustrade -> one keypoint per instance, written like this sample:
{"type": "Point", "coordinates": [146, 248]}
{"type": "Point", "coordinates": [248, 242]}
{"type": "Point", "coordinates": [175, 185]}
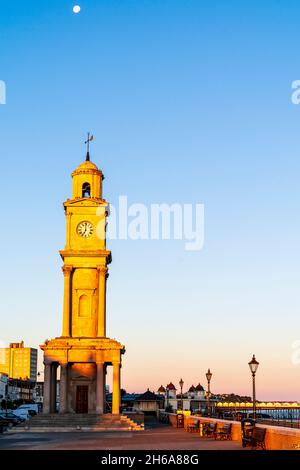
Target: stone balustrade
{"type": "Point", "coordinates": [277, 437]}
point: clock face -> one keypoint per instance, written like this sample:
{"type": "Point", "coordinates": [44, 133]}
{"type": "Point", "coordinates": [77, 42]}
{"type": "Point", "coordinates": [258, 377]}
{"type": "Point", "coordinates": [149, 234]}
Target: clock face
{"type": "Point", "coordinates": [85, 229]}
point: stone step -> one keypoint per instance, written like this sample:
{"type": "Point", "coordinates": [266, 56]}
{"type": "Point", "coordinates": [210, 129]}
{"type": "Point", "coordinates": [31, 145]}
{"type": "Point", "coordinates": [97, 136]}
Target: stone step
{"type": "Point", "coordinates": [76, 416]}
{"type": "Point", "coordinates": [65, 418]}
{"type": "Point", "coordinates": [74, 423]}
{"type": "Point", "coordinates": [72, 429]}
{"type": "Point", "coordinates": [79, 422]}
{"type": "Point", "coordinates": [62, 419]}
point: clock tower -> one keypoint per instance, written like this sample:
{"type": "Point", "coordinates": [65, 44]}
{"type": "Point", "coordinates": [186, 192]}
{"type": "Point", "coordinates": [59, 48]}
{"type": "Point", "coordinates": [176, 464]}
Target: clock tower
{"type": "Point", "coordinates": [83, 351]}
{"type": "Point", "coordinates": [85, 256]}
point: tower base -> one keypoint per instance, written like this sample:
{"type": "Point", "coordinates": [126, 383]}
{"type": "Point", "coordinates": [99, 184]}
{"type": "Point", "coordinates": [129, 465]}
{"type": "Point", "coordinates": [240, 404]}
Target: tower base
{"type": "Point", "coordinates": [83, 365]}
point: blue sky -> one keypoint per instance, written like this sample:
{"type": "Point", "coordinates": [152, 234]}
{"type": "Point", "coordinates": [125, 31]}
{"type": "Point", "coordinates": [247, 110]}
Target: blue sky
{"type": "Point", "coordinates": [189, 101]}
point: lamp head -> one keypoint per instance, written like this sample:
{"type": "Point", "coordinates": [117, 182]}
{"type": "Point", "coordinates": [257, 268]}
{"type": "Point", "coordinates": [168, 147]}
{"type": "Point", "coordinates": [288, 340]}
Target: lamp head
{"type": "Point", "coordinates": [253, 364]}
{"type": "Point", "coordinates": [208, 375]}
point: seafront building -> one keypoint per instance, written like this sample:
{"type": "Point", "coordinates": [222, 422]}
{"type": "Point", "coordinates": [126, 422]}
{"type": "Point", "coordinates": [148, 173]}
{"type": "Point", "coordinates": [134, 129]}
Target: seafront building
{"type": "Point", "coordinates": [19, 362]}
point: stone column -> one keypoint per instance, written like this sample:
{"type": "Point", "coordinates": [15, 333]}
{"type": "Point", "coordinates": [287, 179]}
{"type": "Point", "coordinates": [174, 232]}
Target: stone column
{"type": "Point", "coordinates": [99, 388]}
{"type": "Point", "coordinates": [53, 388]}
{"type": "Point", "coordinates": [104, 387]}
{"type": "Point", "coordinates": [116, 389]}
{"type": "Point", "coordinates": [67, 270]}
{"type": "Point", "coordinates": [47, 388]}
{"type": "Point", "coordinates": [63, 392]}
{"type": "Point", "coordinates": [101, 329]}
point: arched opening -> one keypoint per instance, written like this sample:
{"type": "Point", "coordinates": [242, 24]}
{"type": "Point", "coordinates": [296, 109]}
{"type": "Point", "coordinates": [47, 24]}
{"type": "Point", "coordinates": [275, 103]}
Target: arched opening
{"type": "Point", "coordinates": [83, 306]}
{"type": "Point", "coordinates": [86, 190]}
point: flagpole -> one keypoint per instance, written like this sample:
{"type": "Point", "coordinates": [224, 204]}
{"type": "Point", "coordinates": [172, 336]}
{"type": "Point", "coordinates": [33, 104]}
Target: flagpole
{"type": "Point", "coordinates": [89, 139]}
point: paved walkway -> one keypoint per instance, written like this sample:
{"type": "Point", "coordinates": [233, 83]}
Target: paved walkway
{"type": "Point", "coordinates": [159, 438]}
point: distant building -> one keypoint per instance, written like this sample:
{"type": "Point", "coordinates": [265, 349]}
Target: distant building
{"type": "Point", "coordinates": [199, 392]}
{"type": "Point", "coordinates": [171, 390]}
{"type": "Point", "coordinates": [38, 393]}
{"type": "Point", "coordinates": [20, 390]}
{"type": "Point", "coordinates": [195, 399]}
{"type": "Point", "coordinates": [149, 403]}
{"type": "Point", "coordinates": [191, 392]}
{"type": "Point", "coordinates": [19, 362]}
{"type": "Point", "coordinates": [161, 390]}
{"type": "Point", "coordinates": [127, 401]}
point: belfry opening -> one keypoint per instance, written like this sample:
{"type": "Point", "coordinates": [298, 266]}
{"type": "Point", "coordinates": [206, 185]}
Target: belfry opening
{"type": "Point", "coordinates": [86, 190]}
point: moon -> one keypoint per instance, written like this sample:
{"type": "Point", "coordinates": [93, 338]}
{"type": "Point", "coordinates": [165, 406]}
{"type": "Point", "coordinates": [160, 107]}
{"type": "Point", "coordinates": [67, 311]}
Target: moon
{"type": "Point", "coordinates": [76, 8]}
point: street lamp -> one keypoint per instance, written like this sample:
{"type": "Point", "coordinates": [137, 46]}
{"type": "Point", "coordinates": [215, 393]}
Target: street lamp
{"type": "Point", "coordinates": [181, 386]}
{"type": "Point", "coordinates": [208, 377]}
{"type": "Point", "coordinates": [253, 364]}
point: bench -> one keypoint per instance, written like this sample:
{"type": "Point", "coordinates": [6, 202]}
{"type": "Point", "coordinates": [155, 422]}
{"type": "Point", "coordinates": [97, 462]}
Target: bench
{"type": "Point", "coordinates": [258, 438]}
{"type": "Point", "coordinates": [223, 434]}
{"type": "Point", "coordinates": [193, 426]}
{"type": "Point", "coordinates": [209, 429]}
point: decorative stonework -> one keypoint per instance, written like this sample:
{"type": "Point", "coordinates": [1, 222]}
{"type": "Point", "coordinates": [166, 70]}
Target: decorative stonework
{"type": "Point", "coordinates": [102, 270]}
{"type": "Point", "coordinates": [67, 270]}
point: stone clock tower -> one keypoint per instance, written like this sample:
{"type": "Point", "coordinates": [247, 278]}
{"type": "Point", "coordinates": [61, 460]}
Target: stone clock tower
{"type": "Point", "coordinates": [83, 352]}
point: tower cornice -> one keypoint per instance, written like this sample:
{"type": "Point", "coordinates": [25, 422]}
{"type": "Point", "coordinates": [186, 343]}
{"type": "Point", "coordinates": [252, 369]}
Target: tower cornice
{"type": "Point", "coordinates": [86, 253]}
{"type": "Point", "coordinates": [90, 171]}
{"type": "Point", "coordinates": [92, 201]}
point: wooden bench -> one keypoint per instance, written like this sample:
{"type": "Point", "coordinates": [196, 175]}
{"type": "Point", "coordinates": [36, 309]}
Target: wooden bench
{"type": "Point", "coordinates": [258, 438]}
{"type": "Point", "coordinates": [209, 429]}
{"type": "Point", "coordinates": [193, 426]}
{"type": "Point", "coordinates": [224, 433]}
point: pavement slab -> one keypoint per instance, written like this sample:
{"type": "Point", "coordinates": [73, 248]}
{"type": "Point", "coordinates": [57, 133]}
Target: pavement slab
{"type": "Point", "coordinates": [159, 438]}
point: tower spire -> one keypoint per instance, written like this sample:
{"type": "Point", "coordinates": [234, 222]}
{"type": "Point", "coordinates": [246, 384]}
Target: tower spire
{"type": "Point", "coordinates": [87, 142]}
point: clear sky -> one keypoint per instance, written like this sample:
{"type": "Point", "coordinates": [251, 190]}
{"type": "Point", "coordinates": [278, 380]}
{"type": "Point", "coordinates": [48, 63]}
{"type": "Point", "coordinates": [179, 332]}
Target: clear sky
{"type": "Point", "coordinates": [189, 101]}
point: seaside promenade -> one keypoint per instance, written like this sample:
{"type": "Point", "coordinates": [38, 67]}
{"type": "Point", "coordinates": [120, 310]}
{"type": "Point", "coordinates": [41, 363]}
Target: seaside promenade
{"type": "Point", "coordinates": [162, 437]}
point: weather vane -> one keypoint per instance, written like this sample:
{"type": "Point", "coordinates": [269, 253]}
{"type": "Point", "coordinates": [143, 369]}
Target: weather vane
{"type": "Point", "coordinates": [87, 142]}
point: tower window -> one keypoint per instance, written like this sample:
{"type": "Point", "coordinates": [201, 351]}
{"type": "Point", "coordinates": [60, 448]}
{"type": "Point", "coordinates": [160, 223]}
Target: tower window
{"type": "Point", "coordinates": [86, 190]}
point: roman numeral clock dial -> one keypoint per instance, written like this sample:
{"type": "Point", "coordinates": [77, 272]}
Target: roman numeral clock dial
{"type": "Point", "coordinates": [85, 229]}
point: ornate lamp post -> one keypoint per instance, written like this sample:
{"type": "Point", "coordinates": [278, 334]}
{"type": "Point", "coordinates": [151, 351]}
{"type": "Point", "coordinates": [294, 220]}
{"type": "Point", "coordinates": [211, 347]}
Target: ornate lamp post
{"type": "Point", "coordinates": [208, 377]}
{"type": "Point", "coordinates": [181, 386]}
{"type": "Point", "coordinates": [253, 364]}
